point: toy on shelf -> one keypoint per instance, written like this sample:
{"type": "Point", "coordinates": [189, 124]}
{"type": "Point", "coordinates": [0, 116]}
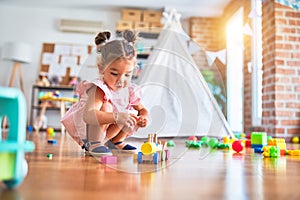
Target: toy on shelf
{"type": "Point", "coordinates": [153, 151]}
{"type": "Point", "coordinates": [56, 96]}
{"type": "Point", "coordinates": [13, 167]}
{"type": "Point", "coordinates": [42, 80]}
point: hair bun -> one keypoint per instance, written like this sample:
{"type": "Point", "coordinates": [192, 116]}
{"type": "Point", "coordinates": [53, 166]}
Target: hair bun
{"type": "Point", "coordinates": [102, 37]}
{"type": "Point", "coordinates": [130, 36]}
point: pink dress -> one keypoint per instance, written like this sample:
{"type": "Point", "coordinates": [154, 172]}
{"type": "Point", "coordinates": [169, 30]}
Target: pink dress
{"type": "Point", "coordinates": [121, 100]}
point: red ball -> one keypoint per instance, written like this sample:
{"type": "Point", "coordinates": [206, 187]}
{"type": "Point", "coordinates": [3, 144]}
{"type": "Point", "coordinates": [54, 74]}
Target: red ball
{"type": "Point", "coordinates": [238, 146]}
{"type": "Point", "coordinates": [193, 138]}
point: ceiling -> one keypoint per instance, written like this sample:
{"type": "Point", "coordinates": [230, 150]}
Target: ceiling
{"type": "Point", "coordinates": [188, 8]}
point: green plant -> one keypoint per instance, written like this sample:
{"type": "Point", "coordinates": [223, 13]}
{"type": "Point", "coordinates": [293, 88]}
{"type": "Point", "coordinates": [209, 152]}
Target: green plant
{"type": "Point", "coordinates": [216, 87]}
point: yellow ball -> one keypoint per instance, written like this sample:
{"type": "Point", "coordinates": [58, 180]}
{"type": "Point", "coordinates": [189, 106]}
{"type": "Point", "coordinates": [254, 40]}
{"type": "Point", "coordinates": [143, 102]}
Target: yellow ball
{"type": "Point", "coordinates": [50, 131]}
{"type": "Point", "coordinates": [295, 139]}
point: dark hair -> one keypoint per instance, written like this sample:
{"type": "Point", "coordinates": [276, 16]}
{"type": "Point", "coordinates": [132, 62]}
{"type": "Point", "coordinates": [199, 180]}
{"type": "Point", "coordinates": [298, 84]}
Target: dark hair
{"type": "Point", "coordinates": [111, 50]}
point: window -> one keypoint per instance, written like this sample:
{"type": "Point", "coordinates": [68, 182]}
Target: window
{"type": "Point", "coordinates": [234, 71]}
{"type": "Point", "coordinates": [256, 63]}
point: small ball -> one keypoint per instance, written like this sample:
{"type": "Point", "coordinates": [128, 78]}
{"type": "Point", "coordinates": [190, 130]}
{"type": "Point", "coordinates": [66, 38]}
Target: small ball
{"type": "Point", "coordinates": [193, 138]}
{"type": "Point", "coordinates": [238, 146]}
{"type": "Point", "coordinates": [213, 142]}
{"type": "Point", "coordinates": [49, 156]}
{"type": "Point", "coordinates": [295, 139]}
{"type": "Point", "coordinates": [50, 131]}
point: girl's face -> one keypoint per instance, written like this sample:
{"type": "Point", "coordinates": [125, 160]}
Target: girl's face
{"type": "Point", "coordinates": [118, 74]}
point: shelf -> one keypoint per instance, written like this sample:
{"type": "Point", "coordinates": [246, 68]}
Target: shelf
{"type": "Point", "coordinates": [49, 108]}
{"type": "Point", "coordinates": [56, 87]}
{"type": "Point", "coordinates": [147, 35]}
{"type": "Point", "coordinates": [36, 103]}
{"type": "Point", "coordinates": [142, 56]}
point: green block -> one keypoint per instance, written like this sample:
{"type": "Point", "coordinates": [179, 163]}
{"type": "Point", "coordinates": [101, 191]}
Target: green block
{"type": "Point", "coordinates": [7, 167]}
{"type": "Point", "coordinates": [275, 152]}
{"type": "Point", "coordinates": [259, 138]}
{"type": "Point", "coordinates": [193, 144]}
{"type": "Point", "coordinates": [170, 143]}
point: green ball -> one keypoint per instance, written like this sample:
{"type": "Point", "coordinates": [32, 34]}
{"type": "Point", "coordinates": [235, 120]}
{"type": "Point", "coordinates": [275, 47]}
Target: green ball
{"type": "Point", "coordinates": [213, 142]}
{"type": "Point", "coordinates": [205, 139]}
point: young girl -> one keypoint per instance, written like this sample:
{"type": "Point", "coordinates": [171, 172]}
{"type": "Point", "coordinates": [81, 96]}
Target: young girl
{"type": "Point", "coordinates": [110, 100]}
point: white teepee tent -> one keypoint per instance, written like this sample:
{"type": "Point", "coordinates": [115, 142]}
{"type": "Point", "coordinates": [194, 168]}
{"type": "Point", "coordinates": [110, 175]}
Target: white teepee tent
{"type": "Point", "coordinates": [175, 92]}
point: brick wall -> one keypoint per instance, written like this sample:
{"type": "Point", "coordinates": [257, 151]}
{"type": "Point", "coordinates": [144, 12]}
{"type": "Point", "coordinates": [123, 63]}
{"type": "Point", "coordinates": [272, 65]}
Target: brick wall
{"type": "Point", "coordinates": [210, 33]}
{"type": "Point", "coordinates": [206, 32]}
{"type": "Point", "coordinates": [281, 63]}
{"type": "Point", "coordinates": [203, 32]}
{"type": "Point", "coordinates": [281, 67]}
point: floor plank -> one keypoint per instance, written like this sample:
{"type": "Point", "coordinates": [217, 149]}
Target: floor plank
{"type": "Point", "coordinates": [189, 174]}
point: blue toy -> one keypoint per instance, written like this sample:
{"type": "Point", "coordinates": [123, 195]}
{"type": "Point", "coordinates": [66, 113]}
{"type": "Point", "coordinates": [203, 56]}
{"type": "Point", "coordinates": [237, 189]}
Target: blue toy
{"type": "Point", "coordinates": [13, 166]}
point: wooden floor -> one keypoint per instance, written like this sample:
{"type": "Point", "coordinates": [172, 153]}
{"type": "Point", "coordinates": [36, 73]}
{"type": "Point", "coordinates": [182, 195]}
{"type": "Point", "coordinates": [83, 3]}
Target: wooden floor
{"type": "Point", "coordinates": [189, 174]}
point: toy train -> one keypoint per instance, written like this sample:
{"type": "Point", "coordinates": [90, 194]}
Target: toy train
{"type": "Point", "coordinates": [153, 151]}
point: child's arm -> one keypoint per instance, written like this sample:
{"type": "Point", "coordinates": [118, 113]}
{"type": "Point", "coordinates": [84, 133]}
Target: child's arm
{"type": "Point", "coordinates": [94, 116]}
{"type": "Point", "coordinates": [92, 113]}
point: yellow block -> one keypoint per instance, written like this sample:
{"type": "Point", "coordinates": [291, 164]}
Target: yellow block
{"type": "Point", "coordinates": [148, 148]}
{"type": "Point", "coordinates": [7, 166]}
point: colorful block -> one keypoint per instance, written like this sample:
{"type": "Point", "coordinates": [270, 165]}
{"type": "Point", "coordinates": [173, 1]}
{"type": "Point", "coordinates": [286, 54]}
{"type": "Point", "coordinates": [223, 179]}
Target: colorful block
{"type": "Point", "coordinates": [280, 142]}
{"type": "Point", "coordinates": [271, 151]}
{"type": "Point", "coordinates": [109, 159]}
{"type": "Point", "coordinates": [258, 139]}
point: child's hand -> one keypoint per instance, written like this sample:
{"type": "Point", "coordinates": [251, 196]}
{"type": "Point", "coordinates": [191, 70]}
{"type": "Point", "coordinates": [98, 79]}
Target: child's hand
{"type": "Point", "coordinates": [142, 120]}
{"type": "Point", "coordinates": [126, 119]}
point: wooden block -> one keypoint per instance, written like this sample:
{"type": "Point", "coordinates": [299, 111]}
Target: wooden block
{"type": "Point", "coordinates": [142, 26]}
{"type": "Point", "coordinates": [109, 159]}
{"type": "Point", "coordinates": [124, 25]}
{"type": "Point", "coordinates": [152, 16]}
{"type": "Point", "coordinates": [48, 47]}
{"type": "Point", "coordinates": [156, 27]}
{"type": "Point", "coordinates": [131, 14]}
{"type": "Point", "coordinates": [66, 78]}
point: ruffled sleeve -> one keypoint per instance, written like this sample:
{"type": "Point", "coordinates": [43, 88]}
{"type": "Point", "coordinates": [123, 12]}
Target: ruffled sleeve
{"type": "Point", "coordinates": [82, 87]}
{"type": "Point", "coordinates": [135, 94]}
{"type": "Point", "coordinates": [107, 93]}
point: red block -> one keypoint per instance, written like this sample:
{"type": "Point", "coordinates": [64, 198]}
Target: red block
{"type": "Point", "coordinates": [248, 143]}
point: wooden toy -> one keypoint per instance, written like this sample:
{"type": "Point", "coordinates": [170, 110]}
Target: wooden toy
{"type": "Point", "coordinates": [13, 167]}
{"type": "Point", "coordinates": [153, 151]}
